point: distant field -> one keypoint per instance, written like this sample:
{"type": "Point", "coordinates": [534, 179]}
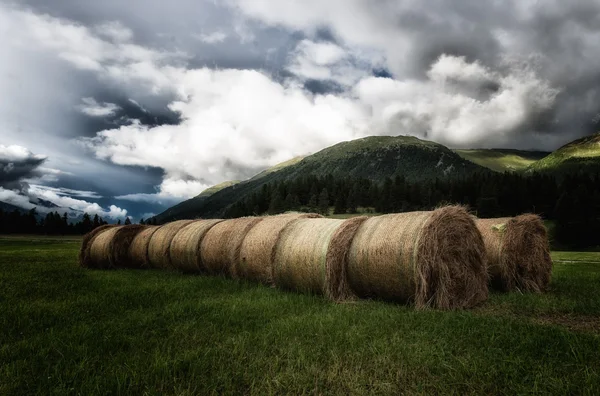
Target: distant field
{"type": "Point", "coordinates": [66, 330]}
{"type": "Point", "coordinates": [502, 160]}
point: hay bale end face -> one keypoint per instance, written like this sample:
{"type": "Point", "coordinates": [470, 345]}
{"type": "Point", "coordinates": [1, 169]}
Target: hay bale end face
{"type": "Point", "coordinates": [311, 256]}
{"type": "Point", "coordinates": [432, 259]}
{"type": "Point", "coordinates": [160, 243]}
{"type": "Point", "coordinates": [86, 243]}
{"type": "Point", "coordinates": [220, 247]}
{"type": "Point", "coordinates": [518, 253]}
{"type": "Point", "coordinates": [185, 246]}
{"type": "Point", "coordinates": [138, 249]}
{"type": "Point", "coordinates": [257, 251]}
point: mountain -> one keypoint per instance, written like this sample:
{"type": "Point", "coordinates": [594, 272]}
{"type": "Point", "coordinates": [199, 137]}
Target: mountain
{"type": "Point", "coordinates": [502, 160]}
{"type": "Point", "coordinates": [375, 158]}
{"type": "Point", "coordinates": [6, 207]}
{"type": "Point", "coordinates": [579, 156]}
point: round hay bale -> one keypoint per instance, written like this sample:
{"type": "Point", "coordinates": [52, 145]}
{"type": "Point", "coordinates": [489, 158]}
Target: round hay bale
{"type": "Point", "coordinates": [312, 255]}
{"type": "Point", "coordinates": [518, 253]}
{"type": "Point", "coordinates": [101, 248]}
{"type": "Point", "coordinates": [257, 251]}
{"type": "Point", "coordinates": [121, 244]}
{"type": "Point", "coordinates": [220, 247]}
{"type": "Point", "coordinates": [138, 249]}
{"type": "Point", "coordinates": [432, 259]}
{"type": "Point", "coordinates": [185, 246]}
{"type": "Point", "coordinates": [160, 243]}
{"type": "Point", "coordinates": [86, 243]}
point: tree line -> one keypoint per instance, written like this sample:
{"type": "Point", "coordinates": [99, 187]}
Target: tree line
{"type": "Point", "coordinates": [21, 222]}
{"type": "Point", "coordinates": [572, 202]}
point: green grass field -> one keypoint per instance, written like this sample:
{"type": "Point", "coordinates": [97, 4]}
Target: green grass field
{"type": "Point", "coordinates": [66, 330]}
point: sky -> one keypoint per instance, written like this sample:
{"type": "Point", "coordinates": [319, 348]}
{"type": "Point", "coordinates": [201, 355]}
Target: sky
{"type": "Point", "coordinates": [127, 108]}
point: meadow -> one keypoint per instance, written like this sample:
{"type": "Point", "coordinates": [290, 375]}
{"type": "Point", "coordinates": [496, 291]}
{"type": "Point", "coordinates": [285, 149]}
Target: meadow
{"type": "Point", "coordinates": [67, 330]}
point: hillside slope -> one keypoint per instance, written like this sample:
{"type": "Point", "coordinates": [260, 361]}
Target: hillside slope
{"type": "Point", "coordinates": [502, 160]}
{"type": "Point", "coordinates": [579, 156]}
{"type": "Point", "coordinates": [375, 158]}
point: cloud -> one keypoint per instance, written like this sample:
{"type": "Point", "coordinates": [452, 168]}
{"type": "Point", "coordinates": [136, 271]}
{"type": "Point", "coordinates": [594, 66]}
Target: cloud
{"type": "Point", "coordinates": [18, 163]}
{"type": "Point", "coordinates": [94, 109]}
{"type": "Point", "coordinates": [64, 202]}
{"type": "Point", "coordinates": [171, 191]}
{"type": "Point", "coordinates": [212, 38]}
{"type": "Point", "coordinates": [460, 104]}
{"type": "Point", "coordinates": [20, 168]}
{"type": "Point", "coordinates": [15, 198]}
{"type": "Point", "coordinates": [114, 31]}
{"type": "Point", "coordinates": [234, 123]}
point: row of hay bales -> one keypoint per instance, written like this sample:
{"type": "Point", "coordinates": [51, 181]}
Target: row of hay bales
{"type": "Point", "coordinates": [443, 258]}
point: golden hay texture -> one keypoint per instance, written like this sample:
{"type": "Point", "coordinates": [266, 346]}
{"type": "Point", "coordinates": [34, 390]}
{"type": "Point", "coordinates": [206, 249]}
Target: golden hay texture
{"type": "Point", "coordinates": [121, 243]}
{"type": "Point", "coordinates": [518, 253]}
{"type": "Point", "coordinates": [101, 248]}
{"type": "Point", "coordinates": [185, 246]}
{"type": "Point", "coordinates": [258, 248]}
{"type": "Point", "coordinates": [160, 243]}
{"type": "Point", "coordinates": [311, 256]}
{"type": "Point", "coordinates": [220, 247]}
{"type": "Point", "coordinates": [432, 259]}
{"type": "Point", "coordinates": [138, 249]}
{"type": "Point", "coordinates": [86, 243]}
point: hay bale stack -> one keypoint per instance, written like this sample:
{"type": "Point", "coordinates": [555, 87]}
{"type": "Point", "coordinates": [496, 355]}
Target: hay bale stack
{"type": "Point", "coordinates": [220, 248]}
{"type": "Point", "coordinates": [86, 243]}
{"type": "Point", "coordinates": [312, 255]}
{"type": "Point", "coordinates": [138, 249]}
{"type": "Point", "coordinates": [185, 246]}
{"type": "Point", "coordinates": [160, 243]}
{"type": "Point", "coordinates": [110, 248]}
{"type": "Point", "coordinates": [518, 253]}
{"type": "Point", "coordinates": [257, 251]}
{"type": "Point", "coordinates": [432, 259]}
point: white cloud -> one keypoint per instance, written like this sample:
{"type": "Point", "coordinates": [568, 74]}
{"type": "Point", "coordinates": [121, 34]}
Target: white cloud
{"type": "Point", "coordinates": [211, 38]}
{"type": "Point", "coordinates": [15, 198]}
{"type": "Point", "coordinates": [455, 107]}
{"type": "Point", "coordinates": [61, 191]}
{"type": "Point", "coordinates": [328, 61]}
{"type": "Point", "coordinates": [115, 31]}
{"type": "Point", "coordinates": [15, 153]}
{"type": "Point", "coordinates": [94, 109]}
{"type": "Point", "coordinates": [233, 120]}
{"type": "Point", "coordinates": [170, 192]}
{"type": "Point", "coordinates": [65, 201]}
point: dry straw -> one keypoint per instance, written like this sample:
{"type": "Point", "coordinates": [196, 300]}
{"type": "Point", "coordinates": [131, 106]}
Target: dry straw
{"type": "Point", "coordinates": [257, 251]}
{"type": "Point", "coordinates": [432, 259]}
{"type": "Point", "coordinates": [185, 246]}
{"type": "Point", "coordinates": [86, 243]}
{"type": "Point", "coordinates": [160, 243]}
{"type": "Point", "coordinates": [312, 254]}
{"type": "Point", "coordinates": [518, 253]}
{"type": "Point", "coordinates": [109, 249]}
{"type": "Point", "coordinates": [220, 247]}
{"type": "Point", "coordinates": [138, 249]}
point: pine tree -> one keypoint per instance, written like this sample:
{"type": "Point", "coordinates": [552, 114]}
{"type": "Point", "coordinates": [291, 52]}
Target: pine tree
{"type": "Point", "coordinates": [277, 204]}
{"type": "Point", "coordinates": [127, 221]}
{"type": "Point", "coordinates": [324, 202]}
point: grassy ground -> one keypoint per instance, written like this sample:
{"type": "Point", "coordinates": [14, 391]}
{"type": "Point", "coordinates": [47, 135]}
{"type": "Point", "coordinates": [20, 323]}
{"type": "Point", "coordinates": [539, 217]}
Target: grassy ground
{"type": "Point", "coordinates": [502, 160]}
{"type": "Point", "coordinates": [65, 330]}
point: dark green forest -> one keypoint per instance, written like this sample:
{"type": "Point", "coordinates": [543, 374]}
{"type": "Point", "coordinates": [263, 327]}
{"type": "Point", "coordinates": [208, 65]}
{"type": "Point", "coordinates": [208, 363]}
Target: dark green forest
{"type": "Point", "coordinates": [572, 202]}
{"type": "Point", "coordinates": [29, 222]}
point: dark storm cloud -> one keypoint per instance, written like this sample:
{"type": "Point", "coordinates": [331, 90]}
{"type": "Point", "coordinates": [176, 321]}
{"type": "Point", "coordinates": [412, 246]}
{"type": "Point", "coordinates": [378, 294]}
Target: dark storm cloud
{"type": "Point", "coordinates": [14, 167]}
